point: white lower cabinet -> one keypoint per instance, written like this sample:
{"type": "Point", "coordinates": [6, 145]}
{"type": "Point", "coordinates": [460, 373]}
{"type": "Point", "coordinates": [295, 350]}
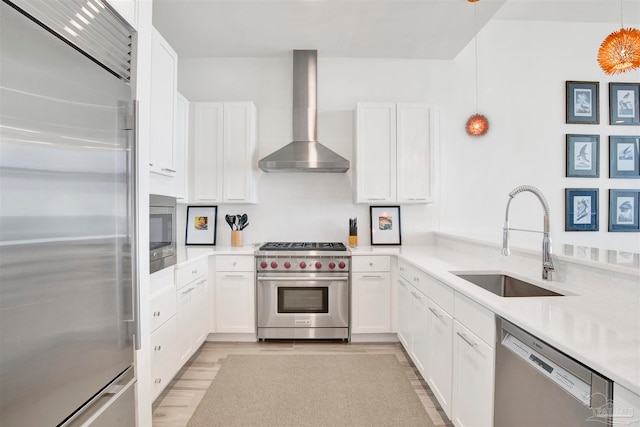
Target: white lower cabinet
{"type": "Point", "coordinates": [191, 308]}
{"type": "Point", "coordinates": [235, 295]}
{"type": "Point", "coordinates": [473, 379]}
{"type": "Point", "coordinates": [404, 313]}
{"type": "Point", "coordinates": [371, 295]}
{"type": "Point", "coordinates": [439, 368]}
{"type": "Point", "coordinates": [420, 333]}
{"type": "Point", "coordinates": [164, 334]}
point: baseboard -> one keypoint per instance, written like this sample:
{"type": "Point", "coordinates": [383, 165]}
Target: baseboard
{"type": "Point", "coordinates": [374, 338]}
{"type": "Point", "coordinates": [220, 337]}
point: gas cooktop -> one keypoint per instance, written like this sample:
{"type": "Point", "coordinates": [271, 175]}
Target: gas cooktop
{"type": "Point", "coordinates": [303, 246]}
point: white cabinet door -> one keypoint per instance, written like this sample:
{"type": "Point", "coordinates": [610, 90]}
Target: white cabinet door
{"type": "Point", "coordinates": [199, 299]}
{"type": "Point", "coordinates": [223, 155]}
{"type": "Point", "coordinates": [235, 302]}
{"type": "Point", "coordinates": [371, 302]}
{"type": "Point", "coordinates": [185, 324]}
{"type": "Point", "coordinates": [375, 153]}
{"type": "Point", "coordinates": [206, 155]}
{"type": "Point", "coordinates": [440, 343]}
{"type": "Point", "coordinates": [473, 372]}
{"type": "Point", "coordinates": [164, 91]}
{"type": "Point", "coordinates": [181, 144]}
{"type": "Point", "coordinates": [419, 334]}
{"type": "Point", "coordinates": [404, 313]}
{"type": "Point", "coordinates": [415, 154]}
{"type": "Point", "coordinates": [239, 137]}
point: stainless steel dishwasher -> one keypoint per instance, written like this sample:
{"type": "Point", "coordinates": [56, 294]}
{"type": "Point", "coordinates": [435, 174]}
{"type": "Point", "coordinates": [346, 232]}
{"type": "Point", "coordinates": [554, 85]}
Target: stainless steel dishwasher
{"type": "Point", "coordinates": [537, 385]}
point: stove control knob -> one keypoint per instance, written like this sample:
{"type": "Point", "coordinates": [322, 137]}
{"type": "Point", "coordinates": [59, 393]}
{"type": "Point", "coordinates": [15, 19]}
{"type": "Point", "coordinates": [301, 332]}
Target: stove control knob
{"type": "Point", "coordinates": [332, 265]}
{"type": "Point", "coordinates": [303, 265]}
{"type": "Point", "coordinates": [342, 265]}
{"type": "Point", "coordinates": [318, 265]}
{"type": "Point", "coordinates": [274, 264]}
{"type": "Point", "coordinates": [263, 264]}
{"type": "Point", "coordinates": [287, 264]}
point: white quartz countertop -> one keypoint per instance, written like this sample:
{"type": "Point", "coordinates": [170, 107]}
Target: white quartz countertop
{"type": "Point", "coordinates": [597, 322]}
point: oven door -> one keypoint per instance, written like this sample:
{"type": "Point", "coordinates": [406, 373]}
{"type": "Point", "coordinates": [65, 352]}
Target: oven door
{"type": "Point", "coordinates": [303, 302]}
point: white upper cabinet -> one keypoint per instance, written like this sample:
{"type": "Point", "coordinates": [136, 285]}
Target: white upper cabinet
{"type": "Point", "coordinates": [181, 144]}
{"type": "Point", "coordinates": [375, 153]}
{"type": "Point", "coordinates": [395, 153]}
{"type": "Point", "coordinates": [223, 155]}
{"type": "Point", "coordinates": [127, 9]}
{"type": "Point", "coordinates": [164, 93]}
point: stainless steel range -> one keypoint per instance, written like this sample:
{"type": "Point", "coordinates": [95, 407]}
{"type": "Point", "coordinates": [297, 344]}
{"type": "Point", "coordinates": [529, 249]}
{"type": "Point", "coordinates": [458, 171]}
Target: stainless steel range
{"type": "Point", "coordinates": [303, 290]}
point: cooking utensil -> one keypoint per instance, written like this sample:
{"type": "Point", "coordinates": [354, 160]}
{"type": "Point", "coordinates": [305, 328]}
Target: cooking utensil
{"type": "Point", "coordinates": [230, 220]}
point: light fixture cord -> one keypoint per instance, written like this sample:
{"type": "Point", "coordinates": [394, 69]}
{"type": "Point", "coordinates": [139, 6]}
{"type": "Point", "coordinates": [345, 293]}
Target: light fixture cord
{"type": "Point", "coordinates": [621, 23]}
{"type": "Point", "coordinates": [475, 42]}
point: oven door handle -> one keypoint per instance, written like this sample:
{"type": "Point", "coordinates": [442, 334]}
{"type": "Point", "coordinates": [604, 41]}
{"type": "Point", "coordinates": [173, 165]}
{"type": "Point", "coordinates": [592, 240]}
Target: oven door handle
{"type": "Point", "coordinates": [305, 279]}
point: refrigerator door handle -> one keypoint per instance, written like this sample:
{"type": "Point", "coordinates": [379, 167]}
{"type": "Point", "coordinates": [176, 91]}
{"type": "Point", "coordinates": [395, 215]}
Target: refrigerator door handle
{"type": "Point", "coordinates": [133, 224]}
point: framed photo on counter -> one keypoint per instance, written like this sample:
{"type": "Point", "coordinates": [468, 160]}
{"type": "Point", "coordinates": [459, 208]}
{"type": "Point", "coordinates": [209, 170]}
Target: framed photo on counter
{"type": "Point", "coordinates": [623, 103]}
{"type": "Point", "coordinates": [623, 157]}
{"type": "Point", "coordinates": [582, 102]}
{"type": "Point", "coordinates": [583, 156]}
{"type": "Point", "coordinates": [385, 225]}
{"type": "Point", "coordinates": [581, 209]}
{"type": "Point", "coordinates": [623, 210]}
{"type": "Point", "coordinates": [201, 225]}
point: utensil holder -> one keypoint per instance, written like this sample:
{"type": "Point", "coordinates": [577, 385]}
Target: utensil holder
{"type": "Point", "coordinates": [353, 241]}
{"type": "Point", "coordinates": [236, 238]}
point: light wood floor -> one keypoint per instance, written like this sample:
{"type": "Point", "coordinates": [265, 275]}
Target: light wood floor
{"type": "Point", "coordinates": [176, 404]}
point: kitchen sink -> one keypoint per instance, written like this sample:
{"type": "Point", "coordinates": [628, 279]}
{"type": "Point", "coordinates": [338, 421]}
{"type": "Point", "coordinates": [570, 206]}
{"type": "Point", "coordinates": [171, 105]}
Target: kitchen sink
{"type": "Point", "coordinates": [506, 286]}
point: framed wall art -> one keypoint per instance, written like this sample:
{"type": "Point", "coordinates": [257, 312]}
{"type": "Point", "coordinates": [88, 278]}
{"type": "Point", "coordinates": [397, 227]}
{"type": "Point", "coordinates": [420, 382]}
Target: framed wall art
{"type": "Point", "coordinates": [581, 209]}
{"type": "Point", "coordinates": [623, 103]}
{"type": "Point", "coordinates": [582, 102]}
{"type": "Point", "coordinates": [623, 210]}
{"type": "Point", "coordinates": [385, 225]}
{"type": "Point", "coordinates": [583, 156]}
{"type": "Point", "coordinates": [201, 225]}
{"type": "Point", "coordinates": [623, 157]}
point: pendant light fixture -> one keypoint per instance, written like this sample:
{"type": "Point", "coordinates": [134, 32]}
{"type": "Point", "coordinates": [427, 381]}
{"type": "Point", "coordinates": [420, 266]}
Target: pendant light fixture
{"type": "Point", "coordinates": [477, 124]}
{"type": "Point", "coordinates": [620, 51]}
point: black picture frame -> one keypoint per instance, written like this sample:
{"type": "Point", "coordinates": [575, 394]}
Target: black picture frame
{"type": "Point", "coordinates": [581, 209]}
{"type": "Point", "coordinates": [583, 102]}
{"type": "Point", "coordinates": [624, 158]}
{"type": "Point", "coordinates": [623, 210]}
{"type": "Point", "coordinates": [202, 225]}
{"type": "Point", "coordinates": [385, 225]}
{"type": "Point", "coordinates": [623, 104]}
{"type": "Point", "coordinates": [583, 156]}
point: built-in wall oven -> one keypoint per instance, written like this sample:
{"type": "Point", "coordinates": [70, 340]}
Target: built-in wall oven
{"type": "Point", "coordinates": [302, 291]}
{"type": "Point", "coordinates": [162, 232]}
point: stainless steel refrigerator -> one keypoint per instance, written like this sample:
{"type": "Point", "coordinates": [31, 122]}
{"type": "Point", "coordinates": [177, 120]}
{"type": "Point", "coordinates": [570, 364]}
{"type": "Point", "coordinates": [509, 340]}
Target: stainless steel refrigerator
{"type": "Point", "coordinates": [67, 248]}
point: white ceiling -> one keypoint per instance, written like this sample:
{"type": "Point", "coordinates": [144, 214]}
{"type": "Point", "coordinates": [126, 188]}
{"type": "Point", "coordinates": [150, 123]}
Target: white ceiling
{"type": "Point", "coordinates": [426, 29]}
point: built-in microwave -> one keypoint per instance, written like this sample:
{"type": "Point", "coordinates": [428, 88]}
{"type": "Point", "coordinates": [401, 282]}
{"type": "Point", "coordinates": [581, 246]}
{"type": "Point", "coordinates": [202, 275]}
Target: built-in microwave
{"type": "Point", "coordinates": [162, 232]}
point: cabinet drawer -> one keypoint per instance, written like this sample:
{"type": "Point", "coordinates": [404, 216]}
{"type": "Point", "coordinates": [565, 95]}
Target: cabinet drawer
{"type": "Point", "coordinates": [441, 294]}
{"type": "Point", "coordinates": [234, 263]}
{"type": "Point", "coordinates": [414, 276]}
{"type": "Point", "coordinates": [371, 263]}
{"type": "Point", "coordinates": [161, 279]}
{"type": "Point", "coordinates": [163, 341]}
{"type": "Point", "coordinates": [476, 318]}
{"type": "Point", "coordinates": [187, 273]}
{"type": "Point", "coordinates": [163, 306]}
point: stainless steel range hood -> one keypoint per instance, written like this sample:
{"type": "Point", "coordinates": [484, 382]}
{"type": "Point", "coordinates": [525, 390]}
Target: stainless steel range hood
{"type": "Point", "coordinates": [305, 153]}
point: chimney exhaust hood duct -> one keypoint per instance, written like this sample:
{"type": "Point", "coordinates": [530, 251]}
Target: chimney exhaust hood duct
{"type": "Point", "coordinates": [305, 153]}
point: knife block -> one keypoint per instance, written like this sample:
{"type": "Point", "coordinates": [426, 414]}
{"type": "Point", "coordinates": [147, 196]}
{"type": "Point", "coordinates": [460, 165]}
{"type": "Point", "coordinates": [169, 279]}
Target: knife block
{"type": "Point", "coordinates": [236, 238]}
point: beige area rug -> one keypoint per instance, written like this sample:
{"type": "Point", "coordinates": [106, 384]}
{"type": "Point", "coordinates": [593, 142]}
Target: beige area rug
{"type": "Point", "coordinates": [310, 390]}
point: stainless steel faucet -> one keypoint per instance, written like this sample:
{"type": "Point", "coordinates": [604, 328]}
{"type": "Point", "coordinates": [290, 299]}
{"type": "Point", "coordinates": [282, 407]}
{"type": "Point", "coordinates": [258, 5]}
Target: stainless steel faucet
{"type": "Point", "coordinates": [547, 262]}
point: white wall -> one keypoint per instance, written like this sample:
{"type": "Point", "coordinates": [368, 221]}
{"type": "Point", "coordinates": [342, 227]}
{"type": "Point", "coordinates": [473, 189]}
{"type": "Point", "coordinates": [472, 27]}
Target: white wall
{"type": "Point", "coordinates": [522, 69]}
{"type": "Point", "coordinates": [522, 66]}
{"type": "Point", "coordinates": [310, 206]}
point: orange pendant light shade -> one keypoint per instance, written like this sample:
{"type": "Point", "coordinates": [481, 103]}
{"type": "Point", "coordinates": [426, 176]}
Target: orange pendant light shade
{"type": "Point", "coordinates": [477, 125]}
{"type": "Point", "coordinates": [620, 51]}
